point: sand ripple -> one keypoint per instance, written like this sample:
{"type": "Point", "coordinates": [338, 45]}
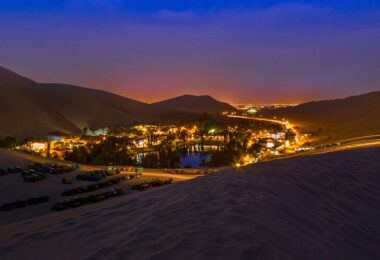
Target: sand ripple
{"type": "Point", "coordinates": [321, 207]}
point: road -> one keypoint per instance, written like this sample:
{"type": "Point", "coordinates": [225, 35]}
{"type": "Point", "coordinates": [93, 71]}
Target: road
{"type": "Point", "coordinates": [359, 143]}
{"type": "Point", "coordinates": [261, 119]}
{"type": "Point", "coordinates": [361, 138]}
{"type": "Point", "coordinates": [177, 177]}
{"type": "Point", "coordinates": [150, 173]}
{"type": "Point", "coordinates": [352, 143]}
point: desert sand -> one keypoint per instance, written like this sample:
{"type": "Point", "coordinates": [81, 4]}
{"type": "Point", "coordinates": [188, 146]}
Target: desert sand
{"type": "Point", "coordinates": [335, 120]}
{"type": "Point", "coordinates": [197, 104]}
{"type": "Point", "coordinates": [31, 109]}
{"type": "Point", "coordinates": [314, 207]}
{"type": "Point", "coordinates": [14, 188]}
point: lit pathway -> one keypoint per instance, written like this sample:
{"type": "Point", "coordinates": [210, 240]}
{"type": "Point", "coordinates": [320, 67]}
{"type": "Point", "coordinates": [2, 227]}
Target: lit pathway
{"type": "Point", "coordinates": [171, 175]}
{"type": "Point", "coordinates": [371, 137]}
{"type": "Point", "coordinates": [261, 119]}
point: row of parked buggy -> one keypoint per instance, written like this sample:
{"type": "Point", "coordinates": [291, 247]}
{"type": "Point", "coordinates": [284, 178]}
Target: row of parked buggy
{"type": "Point", "coordinates": [23, 203]}
{"type": "Point", "coordinates": [97, 175]}
{"type": "Point", "coordinates": [152, 184]}
{"type": "Point", "coordinates": [33, 176]}
{"type": "Point", "coordinates": [37, 171]}
{"type": "Point", "coordinates": [94, 187]}
{"type": "Point", "coordinates": [192, 171]}
{"type": "Point", "coordinates": [15, 169]}
{"type": "Point", "coordinates": [51, 168]}
{"type": "Point", "coordinates": [80, 201]}
{"type": "Point", "coordinates": [100, 185]}
{"type": "Point", "coordinates": [46, 168]}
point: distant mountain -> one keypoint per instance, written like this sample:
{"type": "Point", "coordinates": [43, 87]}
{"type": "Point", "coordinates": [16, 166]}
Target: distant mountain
{"type": "Point", "coordinates": [199, 104]}
{"type": "Point", "coordinates": [28, 108]}
{"type": "Point", "coordinates": [336, 119]}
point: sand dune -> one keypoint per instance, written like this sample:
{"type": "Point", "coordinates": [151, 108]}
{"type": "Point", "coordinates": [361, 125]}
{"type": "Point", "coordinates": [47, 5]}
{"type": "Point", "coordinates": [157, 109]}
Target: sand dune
{"type": "Point", "coordinates": [317, 207]}
{"type": "Point", "coordinates": [10, 158]}
{"type": "Point", "coordinates": [30, 109]}
{"type": "Point", "coordinates": [336, 119]}
{"type": "Point", "coordinates": [198, 104]}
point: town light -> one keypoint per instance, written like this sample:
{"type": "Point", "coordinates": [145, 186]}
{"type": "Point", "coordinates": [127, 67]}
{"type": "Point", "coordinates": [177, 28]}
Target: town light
{"type": "Point", "coordinates": [252, 111]}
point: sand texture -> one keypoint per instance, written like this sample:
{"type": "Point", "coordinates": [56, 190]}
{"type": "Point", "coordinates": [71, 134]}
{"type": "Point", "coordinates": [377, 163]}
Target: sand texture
{"type": "Point", "coordinates": [317, 207]}
{"type": "Point", "coordinates": [335, 120]}
{"type": "Point", "coordinates": [30, 109]}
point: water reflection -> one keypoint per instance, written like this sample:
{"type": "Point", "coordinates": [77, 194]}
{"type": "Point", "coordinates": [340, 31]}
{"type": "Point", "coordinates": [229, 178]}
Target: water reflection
{"type": "Point", "coordinates": [194, 160]}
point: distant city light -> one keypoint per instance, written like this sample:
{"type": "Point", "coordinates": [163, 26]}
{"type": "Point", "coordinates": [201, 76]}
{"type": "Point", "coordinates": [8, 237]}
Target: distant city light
{"type": "Point", "coordinates": [252, 111]}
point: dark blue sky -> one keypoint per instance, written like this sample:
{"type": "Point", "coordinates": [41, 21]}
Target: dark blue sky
{"type": "Point", "coordinates": [239, 51]}
{"type": "Point", "coordinates": [146, 6]}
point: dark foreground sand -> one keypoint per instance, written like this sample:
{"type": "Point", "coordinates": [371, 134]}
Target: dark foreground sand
{"type": "Point", "coordinates": [13, 187]}
{"type": "Point", "coordinates": [318, 207]}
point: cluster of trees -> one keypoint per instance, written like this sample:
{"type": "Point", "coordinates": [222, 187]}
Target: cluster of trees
{"type": "Point", "coordinates": [112, 150]}
{"type": "Point", "coordinates": [161, 159]}
{"type": "Point", "coordinates": [115, 150]}
{"type": "Point", "coordinates": [165, 155]}
{"type": "Point", "coordinates": [224, 158]}
{"type": "Point", "coordinates": [9, 143]}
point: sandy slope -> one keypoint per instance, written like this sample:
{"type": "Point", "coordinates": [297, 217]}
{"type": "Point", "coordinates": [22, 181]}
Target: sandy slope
{"type": "Point", "coordinates": [336, 119]}
{"type": "Point", "coordinates": [317, 207]}
{"type": "Point", "coordinates": [13, 187]}
{"type": "Point", "coordinates": [198, 104]}
{"type": "Point", "coordinates": [30, 109]}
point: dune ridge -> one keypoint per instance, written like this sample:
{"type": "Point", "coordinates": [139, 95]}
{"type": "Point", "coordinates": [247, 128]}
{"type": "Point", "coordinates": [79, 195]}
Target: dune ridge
{"type": "Point", "coordinates": [197, 104]}
{"type": "Point", "coordinates": [316, 207]}
{"type": "Point", "coordinates": [31, 109]}
{"type": "Point", "coordinates": [336, 119]}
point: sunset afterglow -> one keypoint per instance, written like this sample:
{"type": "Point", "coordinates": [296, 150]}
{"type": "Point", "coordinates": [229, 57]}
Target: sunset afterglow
{"type": "Point", "coordinates": [245, 52]}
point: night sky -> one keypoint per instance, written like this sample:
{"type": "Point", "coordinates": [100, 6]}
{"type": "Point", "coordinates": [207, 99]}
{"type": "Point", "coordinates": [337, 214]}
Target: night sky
{"type": "Point", "coordinates": [238, 51]}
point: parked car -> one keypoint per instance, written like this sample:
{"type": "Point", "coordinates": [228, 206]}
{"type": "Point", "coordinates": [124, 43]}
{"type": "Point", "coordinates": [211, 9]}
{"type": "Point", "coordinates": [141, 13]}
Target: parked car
{"type": "Point", "coordinates": [51, 168]}
{"type": "Point", "coordinates": [13, 205]}
{"type": "Point", "coordinates": [67, 180]}
{"type": "Point", "coordinates": [37, 200]}
{"type": "Point", "coordinates": [33, 176]}
{"type": "Point", "coordinates": [151, 184]}
{"type": "Point", "coordinates": [14, 169]}
{"type": "Point", "coordinates": [77, 202]}
{"type": "Point", "coordinates": [60, 205]}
